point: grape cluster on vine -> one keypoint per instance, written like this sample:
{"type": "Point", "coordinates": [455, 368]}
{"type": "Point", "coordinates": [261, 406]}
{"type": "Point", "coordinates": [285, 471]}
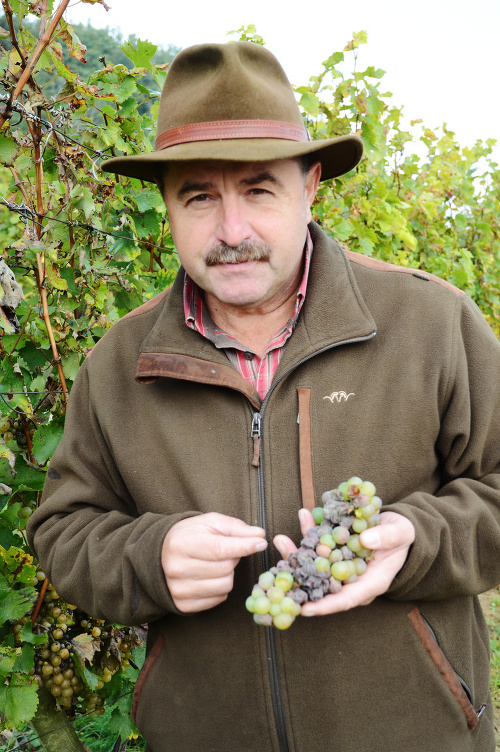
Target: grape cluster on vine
{"type": "Point", "coordinates": [331, 554]}
{"type": "Point", "coordinates": [60, 663]}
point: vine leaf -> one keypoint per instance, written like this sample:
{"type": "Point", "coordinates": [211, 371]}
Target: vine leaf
{"type": "Point", "coordinates": [18, 701]}
{"type": "Point", "coordinates": [85, 647]}
{"type": "Point", "coordinates": [45, 442]}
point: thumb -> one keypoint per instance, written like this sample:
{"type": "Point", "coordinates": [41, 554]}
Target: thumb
{"type": "Point", "coordinates": [306, 521]}
{"type": "Point", "coordinates": [284, 545]}
{"type": "Point", "coordinates": [394, 531]}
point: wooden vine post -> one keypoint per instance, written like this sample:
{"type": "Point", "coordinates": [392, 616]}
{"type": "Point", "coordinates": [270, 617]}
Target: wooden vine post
{"type": "Point", "coordinates": [55, 731]}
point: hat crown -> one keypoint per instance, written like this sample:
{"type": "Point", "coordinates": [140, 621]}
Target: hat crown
{"type": "Point", "coordinates": [221, 82]}
{"type": "Point", "coordinates": [232, 102]}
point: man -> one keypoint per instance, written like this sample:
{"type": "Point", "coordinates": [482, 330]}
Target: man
{"type": "Point", "coordinates": [204, 421]}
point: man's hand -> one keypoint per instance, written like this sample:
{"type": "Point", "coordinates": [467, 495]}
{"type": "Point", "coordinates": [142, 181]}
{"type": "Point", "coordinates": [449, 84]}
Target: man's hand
{"type": "Point", "coordinates": [390, 542]}
{"type": "Point", "coordinates": [199, 555]}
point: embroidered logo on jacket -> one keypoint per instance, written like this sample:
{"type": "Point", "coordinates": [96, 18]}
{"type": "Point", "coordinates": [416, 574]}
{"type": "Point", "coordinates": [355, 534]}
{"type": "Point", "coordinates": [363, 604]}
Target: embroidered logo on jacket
{"type": "Point", "coordinates": [338, 396]}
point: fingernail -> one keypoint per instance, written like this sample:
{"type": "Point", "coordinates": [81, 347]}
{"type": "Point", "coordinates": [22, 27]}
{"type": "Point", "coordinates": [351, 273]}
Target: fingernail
{"type": "Point", "coordinates": [308, 613]}
{"type": "Point", "coordinates": [256, 529]}
{"type": "Point", "coordinates": [261, 545]}
{"type": "Point", "coordinates": [302, 513]}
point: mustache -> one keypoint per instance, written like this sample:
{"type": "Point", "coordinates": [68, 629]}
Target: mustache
{"type": "Point", "coordinates": [238, 254]}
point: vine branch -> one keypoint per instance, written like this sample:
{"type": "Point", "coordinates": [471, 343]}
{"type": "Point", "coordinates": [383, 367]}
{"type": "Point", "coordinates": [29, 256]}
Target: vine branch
{"type": "Point", "coordinates": [42, 44]}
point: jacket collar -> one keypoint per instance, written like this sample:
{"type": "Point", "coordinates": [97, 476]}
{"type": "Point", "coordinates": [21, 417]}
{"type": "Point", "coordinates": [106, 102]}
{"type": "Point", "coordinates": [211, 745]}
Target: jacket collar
{"type": "Point", "coordinates": [334, 312]}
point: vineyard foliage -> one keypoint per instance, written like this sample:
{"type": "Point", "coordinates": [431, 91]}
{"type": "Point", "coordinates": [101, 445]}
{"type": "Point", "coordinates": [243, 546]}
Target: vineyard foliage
{"type": "Point", "coordinates": [86, 247]}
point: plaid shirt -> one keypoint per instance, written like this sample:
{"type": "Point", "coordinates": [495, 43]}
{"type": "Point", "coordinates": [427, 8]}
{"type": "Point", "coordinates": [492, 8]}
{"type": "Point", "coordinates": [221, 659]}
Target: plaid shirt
{"type": "Point", "coordinates": [257, 371]}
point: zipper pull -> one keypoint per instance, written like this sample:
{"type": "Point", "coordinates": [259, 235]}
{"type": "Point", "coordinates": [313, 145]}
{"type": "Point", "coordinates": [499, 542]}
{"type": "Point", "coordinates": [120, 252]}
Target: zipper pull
{"type": "Point", "coordinates": [256, 434]}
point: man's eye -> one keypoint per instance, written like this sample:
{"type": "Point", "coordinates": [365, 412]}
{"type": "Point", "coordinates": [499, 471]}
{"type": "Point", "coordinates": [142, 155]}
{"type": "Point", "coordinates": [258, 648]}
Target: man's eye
{"type": "Point", "coordinates": [258, 191]}
{"type": "Point", "coordinates": [199, 198]}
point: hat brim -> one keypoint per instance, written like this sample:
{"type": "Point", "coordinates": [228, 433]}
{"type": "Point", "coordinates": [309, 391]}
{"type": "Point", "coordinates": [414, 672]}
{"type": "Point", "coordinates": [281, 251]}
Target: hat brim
{"type": "Point", "coordinates": [337, 155]}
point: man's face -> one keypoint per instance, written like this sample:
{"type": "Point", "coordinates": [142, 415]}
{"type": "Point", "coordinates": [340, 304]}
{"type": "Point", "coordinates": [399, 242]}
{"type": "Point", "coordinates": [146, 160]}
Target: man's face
{"type": "Point", "coordinates": [240, 228]}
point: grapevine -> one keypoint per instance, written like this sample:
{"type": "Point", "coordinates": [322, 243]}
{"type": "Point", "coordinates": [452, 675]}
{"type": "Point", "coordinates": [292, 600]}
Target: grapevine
{"type": "Point", "coordinates": [330, 555]}
{"type": "Point", "coordinates": [79, 654]}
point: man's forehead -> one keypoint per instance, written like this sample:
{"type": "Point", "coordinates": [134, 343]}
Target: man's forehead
{"type": "Point", "coordinates": [208, 170]}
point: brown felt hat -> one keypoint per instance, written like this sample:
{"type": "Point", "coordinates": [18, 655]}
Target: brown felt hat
{"type": "Point", "coordinates": [232, 102]}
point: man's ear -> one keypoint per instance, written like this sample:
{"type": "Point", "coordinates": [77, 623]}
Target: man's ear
{"type": "Point", "coordinates": [311, 183]}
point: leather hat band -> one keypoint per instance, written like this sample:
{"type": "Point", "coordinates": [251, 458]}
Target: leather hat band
{"type": "Point", "coordinates": [227, 129]}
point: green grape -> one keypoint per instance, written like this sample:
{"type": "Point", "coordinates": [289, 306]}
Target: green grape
{"type": "Point", "coordinates": [317, 514]}
{"type": "Point", "coordinates": [288, 605]}
{"type": "Point", "coordinates": [359, 524]}
{"type": "Point", "coordinates": [364, 553]}
{"type": "Point", "coordinates": [284, 581]}
{"type": "Point", "coordinates": [373, 520]}
{"type": "Point", "coordinates": [327, 540]}
{"type": "Point", "coordinates": [262, 605]}
{"type": "Point", "coordinates": [275, 609]}
{"type": "Point", "coordinates": [367, 511]}
{"type": "Point", "coordinates": [266, 580]}
{"type": "Point", "coordinates": [257, 592]}
{"type": "Point", "coordinates": [336, 555]}
{"type": "Point", "coordinates": [340, 535]}
{"type": "Point", "coordinates": [283, 620]}
{"type": "Point", "coordinates": [354, 544]}
{"type": "Point", "coordinates": [250, 604]}
{"type": "Point", "coordinates": [367, 488]}
{"type": "Point", "coordinates": [377, 502]}
{"type": "Point", "coordinates": [359, 565]}
{"type": "Point", "coordinates": [354, 481]}
{"type": "Point", "coordinates": [341, 570]}
{"type": "Point", "coordinates": [275, 595]}
{"type": "Point", "coordinates": [343, 490]}
{"type": "Point", "coordinates": [322, 564]}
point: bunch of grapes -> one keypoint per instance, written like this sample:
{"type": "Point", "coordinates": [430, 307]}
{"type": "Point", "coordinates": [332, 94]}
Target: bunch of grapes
{"type": "Point", "coordinates": [57, 666]}
{"type": "Point", "coordinates": [330, 555]}
{"type": "Point", "coordinates": [16, 428]}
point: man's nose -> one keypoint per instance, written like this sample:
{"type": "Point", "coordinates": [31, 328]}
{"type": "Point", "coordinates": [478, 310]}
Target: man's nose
{"type": "Point", "coordinates": [232, 227]}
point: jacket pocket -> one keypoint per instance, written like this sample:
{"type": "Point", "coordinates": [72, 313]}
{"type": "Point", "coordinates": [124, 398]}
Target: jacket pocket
{"type": "Point", "coordinates": [455, 683]}
{"type": "Point", "coordinates": [143, 674]}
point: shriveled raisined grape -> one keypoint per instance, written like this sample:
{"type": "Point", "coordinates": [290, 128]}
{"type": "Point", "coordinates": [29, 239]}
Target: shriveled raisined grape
{"type": "Point", "coordinates": [330, 555]}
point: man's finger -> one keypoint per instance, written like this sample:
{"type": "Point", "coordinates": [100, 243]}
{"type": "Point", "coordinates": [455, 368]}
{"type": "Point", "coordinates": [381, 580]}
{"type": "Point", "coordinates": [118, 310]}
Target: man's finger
{"type": "Point", "coordinates": [196, 569]}
{"type": "Point", "coordinates": [284, 545]}
{"type": "Point", "coordinates": [193, 605]}
{"type": "Point", "coordinates": [306, 521]}
{"type": "Point", "coordinates": [358, 593]}
{"type": "Point", "coordinates": [222, 547]}
{"type": "Point", "coordinates": [212, 588]}
{"type": "Point", "coordinates": [230, 526]}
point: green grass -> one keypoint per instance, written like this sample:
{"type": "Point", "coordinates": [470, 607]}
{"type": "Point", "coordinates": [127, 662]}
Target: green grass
{"type": "Point", "coordinates": [94, 730]}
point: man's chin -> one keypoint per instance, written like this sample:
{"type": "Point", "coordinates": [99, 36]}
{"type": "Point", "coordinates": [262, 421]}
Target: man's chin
{"type": "Point", "coordinates": [235, 297]}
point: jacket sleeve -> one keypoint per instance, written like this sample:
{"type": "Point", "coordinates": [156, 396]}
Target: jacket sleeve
{"type": "Point", "coordinates": [457, 545]}
{"type": "Point", "coordinates": [94, 547]}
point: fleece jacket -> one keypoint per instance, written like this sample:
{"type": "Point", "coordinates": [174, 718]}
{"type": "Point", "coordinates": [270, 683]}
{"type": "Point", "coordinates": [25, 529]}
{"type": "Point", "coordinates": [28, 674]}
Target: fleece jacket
{"type": "Point", "coordinates": [391, 375]}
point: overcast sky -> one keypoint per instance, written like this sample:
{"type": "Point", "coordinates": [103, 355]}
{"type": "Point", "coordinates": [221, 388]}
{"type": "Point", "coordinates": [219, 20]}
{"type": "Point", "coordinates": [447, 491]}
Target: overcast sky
{"type": "Point", "coordinates": [442, 57]}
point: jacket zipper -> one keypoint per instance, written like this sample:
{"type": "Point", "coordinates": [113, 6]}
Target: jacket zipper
{"type": "Point", "coordinates": [257, 461]}
{"type": "Point", "coordinates": [274, 678]}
